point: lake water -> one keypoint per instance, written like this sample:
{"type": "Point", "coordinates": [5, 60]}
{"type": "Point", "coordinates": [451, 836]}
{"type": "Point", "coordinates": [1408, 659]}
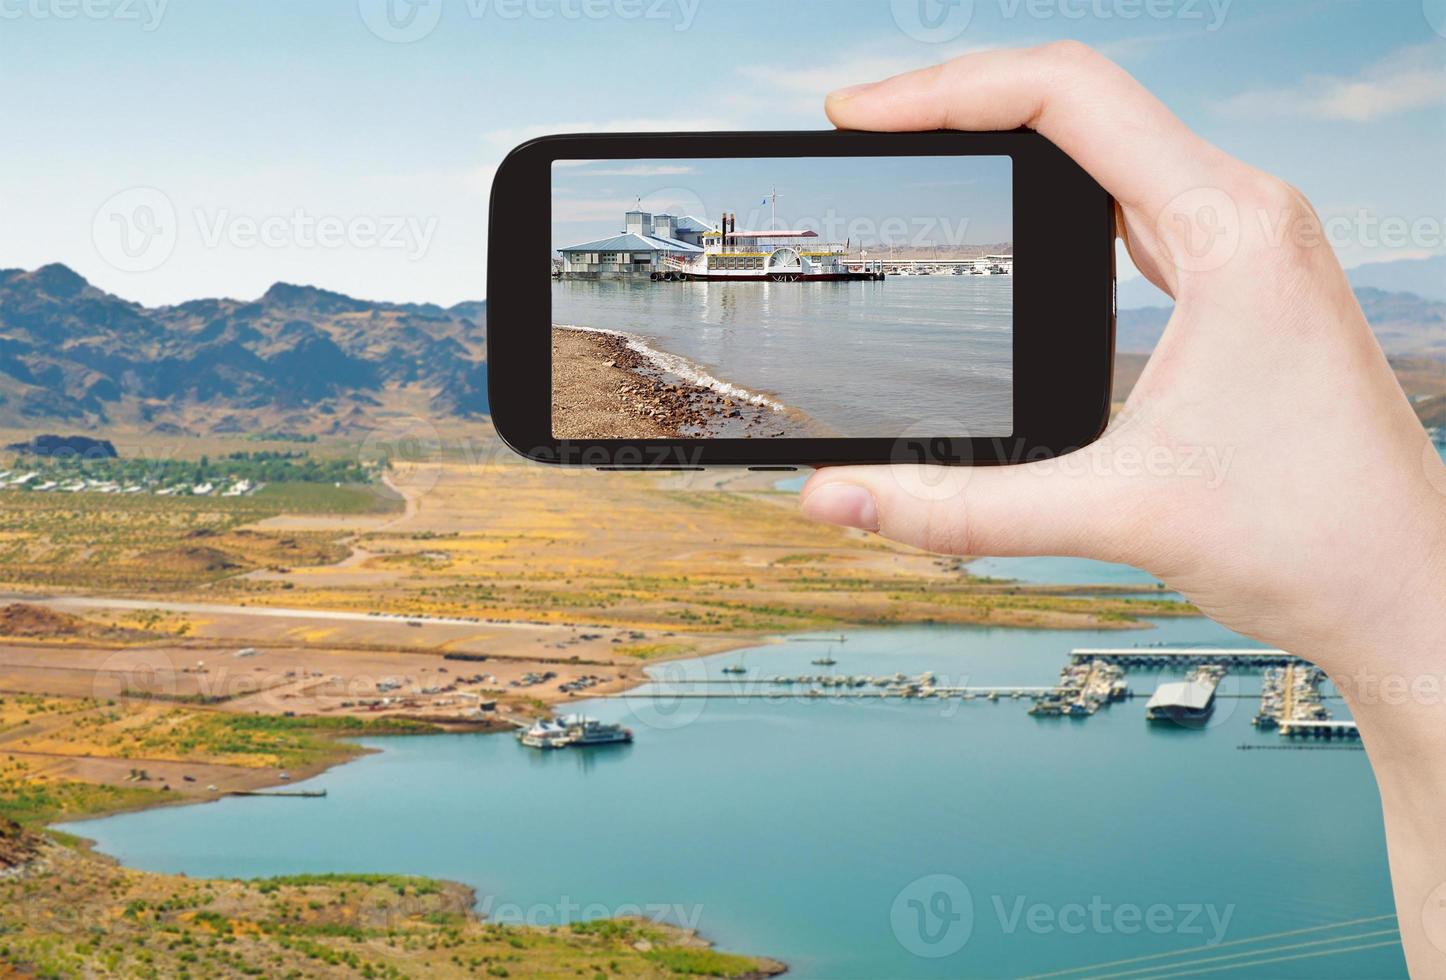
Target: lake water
{"type": "Point", "coordinates": [909, 355]}
{"type": "Point", "coordinates": [867, 839]}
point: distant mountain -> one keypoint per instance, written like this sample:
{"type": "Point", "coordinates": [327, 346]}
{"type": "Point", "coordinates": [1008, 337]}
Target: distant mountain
{"type": "Point", "coordinates": [1138, 293]}
{"type": "Point", "coordinates": [1404, 323]}
{"type": "Point", "coordinates": [306, 358]}
{"type": "Point", "coordinates": [1424, 277]}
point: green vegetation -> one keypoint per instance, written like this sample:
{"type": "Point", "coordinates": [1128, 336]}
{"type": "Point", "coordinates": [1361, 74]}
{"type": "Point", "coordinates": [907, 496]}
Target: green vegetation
{"type": "Point", "coordinates": [701, 962]}
{"type": "Point", "coordinates": [652, 651]}
{"type": "Point", "coordinates": [401, 884]}
{"type": "Point", "coordinates": [75, 914]}
{"type": "Point", "coordinates": [265, 466]}
{"type": "Point", "coordinates": [34, 803]}
{"type": "Point", "coordinates": [147, 543]}
{"type": "Point", "coordinates": [253, 740]}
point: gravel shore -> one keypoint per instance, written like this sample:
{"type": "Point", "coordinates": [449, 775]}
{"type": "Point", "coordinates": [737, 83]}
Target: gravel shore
{"type": "Point", "coordinates": [603, 390]}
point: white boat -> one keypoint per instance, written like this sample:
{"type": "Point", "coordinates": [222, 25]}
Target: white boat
{"type": "Point", "coordinates": [573, 730]}
{"type": "Point", "coordinates": [589, 731]}
{"type": "Point", "coordinates": [544, 734]}
{"type": "Point", "coordinates": [796, 255]}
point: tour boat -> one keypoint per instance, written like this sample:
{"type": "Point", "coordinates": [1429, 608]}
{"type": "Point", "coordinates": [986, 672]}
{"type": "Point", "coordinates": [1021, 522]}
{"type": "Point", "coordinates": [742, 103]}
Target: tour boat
{"type": "Point", "coordinates": [730, 255]}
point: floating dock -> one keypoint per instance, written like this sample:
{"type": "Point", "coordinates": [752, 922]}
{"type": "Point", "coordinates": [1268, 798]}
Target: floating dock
{"type": "Point", "coordinates": [1180, 657]}
{"type": "Point", "coordinates": [1189, 702]}
{"type": "Point", "coordinates": [1091, 679]}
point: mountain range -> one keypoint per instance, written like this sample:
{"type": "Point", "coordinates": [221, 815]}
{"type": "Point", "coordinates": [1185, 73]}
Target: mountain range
{"type": "Point", "coordinates": [298, 358]}
{"type": "Point", "coordinates": [308, 360]}
{"type": "Point", "coordinates": [1407, 325]}
{"type": "Point", "coordinates": [1424, 277]}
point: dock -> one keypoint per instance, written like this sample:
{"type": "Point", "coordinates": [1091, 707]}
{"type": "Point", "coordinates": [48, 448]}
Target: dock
{"type": "Point", "coordinates": [1320, 729]}
{"type": "Point", "coordinates": [1291, 702]}
{"type": "Point", "coordinates": [1182, 657]}
{"type": "Point", "coordinates": [1084, 687]}
{"type": "Point", "coordinates": [1091, 679]}
{"type": "Point", "coordinates": [1189, 702]}
{"type": "Point", "coordinates": [301, 794]}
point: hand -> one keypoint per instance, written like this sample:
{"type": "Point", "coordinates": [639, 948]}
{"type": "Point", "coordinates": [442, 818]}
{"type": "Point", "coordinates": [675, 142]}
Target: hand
{"type": "Point", "coordinates": [1266, 465]}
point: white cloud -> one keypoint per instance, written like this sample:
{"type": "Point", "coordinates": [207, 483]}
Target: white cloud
{"type": "Point", "coordinates": [1411, 78]}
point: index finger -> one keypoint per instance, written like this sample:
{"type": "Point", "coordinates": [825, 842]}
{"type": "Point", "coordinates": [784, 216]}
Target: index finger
{"type": "Point", "coordinates": [1081, 101]}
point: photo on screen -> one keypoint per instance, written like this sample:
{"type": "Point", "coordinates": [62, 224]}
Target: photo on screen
{"type": "Point", "coordinates": [805, 297]}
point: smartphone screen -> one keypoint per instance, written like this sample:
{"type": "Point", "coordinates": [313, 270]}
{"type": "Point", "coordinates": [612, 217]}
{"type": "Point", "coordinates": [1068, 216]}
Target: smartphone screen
{"type": "Point", "coordinates": [777, 298]}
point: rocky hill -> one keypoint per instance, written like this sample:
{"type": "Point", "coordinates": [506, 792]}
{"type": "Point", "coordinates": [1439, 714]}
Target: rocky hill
{"type": "Point", "coordinates": [298, 357]}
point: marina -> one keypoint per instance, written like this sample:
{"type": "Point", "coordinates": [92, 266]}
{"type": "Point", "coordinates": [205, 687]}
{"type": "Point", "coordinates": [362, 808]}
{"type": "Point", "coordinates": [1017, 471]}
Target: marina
{"type": "Point", "coordinates": [1292, 704]}
{"type": "Point", "coordinates": [990, 797]}
{"type": "Point", "coordinates": [666, 247]}
{"type": "Point", "coordinates": [1292, 700]}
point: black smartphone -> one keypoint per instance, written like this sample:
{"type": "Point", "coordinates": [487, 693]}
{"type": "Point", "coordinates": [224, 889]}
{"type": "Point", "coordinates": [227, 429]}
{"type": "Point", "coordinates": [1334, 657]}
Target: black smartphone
{"type": "Point", "coordinates": [776, 299]}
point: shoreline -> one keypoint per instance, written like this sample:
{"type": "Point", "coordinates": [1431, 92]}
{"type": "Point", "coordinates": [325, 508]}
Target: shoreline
{"type": "Point", "coordinates": [604, 387]}
{"type": "Point", "coordinates": [629, 677]}
{"type": "Point", "coordinates": [633, 679]}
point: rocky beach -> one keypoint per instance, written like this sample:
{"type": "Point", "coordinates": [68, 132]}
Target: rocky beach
{"type": "Point", "coordinates": [604, 389]}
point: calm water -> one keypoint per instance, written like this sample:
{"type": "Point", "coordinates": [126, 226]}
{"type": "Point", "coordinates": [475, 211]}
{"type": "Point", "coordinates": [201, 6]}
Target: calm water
{"type": "Point", "coordinates": [1061, 571]}
{"type": "Point", "coordinates": [806, 830]}
{"type": "Point", "coordinates": [910, 355]}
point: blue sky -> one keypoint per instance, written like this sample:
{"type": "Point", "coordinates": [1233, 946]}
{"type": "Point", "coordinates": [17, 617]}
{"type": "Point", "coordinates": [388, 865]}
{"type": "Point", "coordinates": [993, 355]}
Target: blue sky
{"type": "Point", "coordinates": [900, 201]}
{"type": "Point", "coordinates": [169, 150]}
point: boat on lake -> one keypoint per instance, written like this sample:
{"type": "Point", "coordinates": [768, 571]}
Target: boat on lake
{"type": "Point", "coordinates": [544, 734]}
{"type": "Point", "coordinates": [589, 731]}
{"type": "Point", "coordinates": [572, 731]}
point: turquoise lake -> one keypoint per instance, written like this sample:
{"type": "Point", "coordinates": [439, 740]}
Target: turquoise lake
{"type": "Point", "coordinates": [857, 839]}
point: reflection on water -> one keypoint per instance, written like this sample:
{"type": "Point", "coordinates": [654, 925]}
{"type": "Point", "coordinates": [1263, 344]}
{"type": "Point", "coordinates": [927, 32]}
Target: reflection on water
{"type": "Point", "coordinates": [926, 355]}
{"type": "Point", "coordinates": [803, 829]}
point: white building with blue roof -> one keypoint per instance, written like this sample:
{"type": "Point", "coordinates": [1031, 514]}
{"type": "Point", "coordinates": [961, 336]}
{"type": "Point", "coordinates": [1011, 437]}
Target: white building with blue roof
{"type": "Point", "coordinates": [641, 249]}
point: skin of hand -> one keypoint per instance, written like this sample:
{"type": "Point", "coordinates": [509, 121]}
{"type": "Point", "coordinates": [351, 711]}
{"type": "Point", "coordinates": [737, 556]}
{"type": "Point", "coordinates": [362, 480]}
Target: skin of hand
{"type": "Point", "coordinates": [1319, 525]}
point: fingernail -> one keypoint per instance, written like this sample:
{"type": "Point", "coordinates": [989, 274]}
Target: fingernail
{"type": "Point", "coordinates": [844, 504]}
{"type": "Point", "coordinates": [851, 91]}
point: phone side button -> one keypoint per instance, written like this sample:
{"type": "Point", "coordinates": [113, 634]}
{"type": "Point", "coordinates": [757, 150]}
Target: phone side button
{"type": "Point", "coordinates": [773, 469]}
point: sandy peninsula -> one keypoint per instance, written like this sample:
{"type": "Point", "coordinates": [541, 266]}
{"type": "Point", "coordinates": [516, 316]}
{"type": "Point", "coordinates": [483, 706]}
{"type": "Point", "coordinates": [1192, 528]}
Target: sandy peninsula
{"type": "Point", "coordinates": [603, 389]}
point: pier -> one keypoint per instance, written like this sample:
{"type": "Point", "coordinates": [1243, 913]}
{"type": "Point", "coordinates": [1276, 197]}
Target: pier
{"type": "Point", "coordinates": [1291, 702]}
{"type": "Point", "coordinates": [1091, 679]}
{"type": "Point", "coordinates": [1084, 687]}
{"type": "Point", "coordinates": [1183, 657]}
{"type": "Point", "coordinates": [1316, 728]}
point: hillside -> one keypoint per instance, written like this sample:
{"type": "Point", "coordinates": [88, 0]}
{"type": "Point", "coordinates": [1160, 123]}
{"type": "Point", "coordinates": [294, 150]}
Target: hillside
{"type": "Point", "coordinates": [297, 357]}
{"type": "Point", "coordinates": [1424, 277]}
